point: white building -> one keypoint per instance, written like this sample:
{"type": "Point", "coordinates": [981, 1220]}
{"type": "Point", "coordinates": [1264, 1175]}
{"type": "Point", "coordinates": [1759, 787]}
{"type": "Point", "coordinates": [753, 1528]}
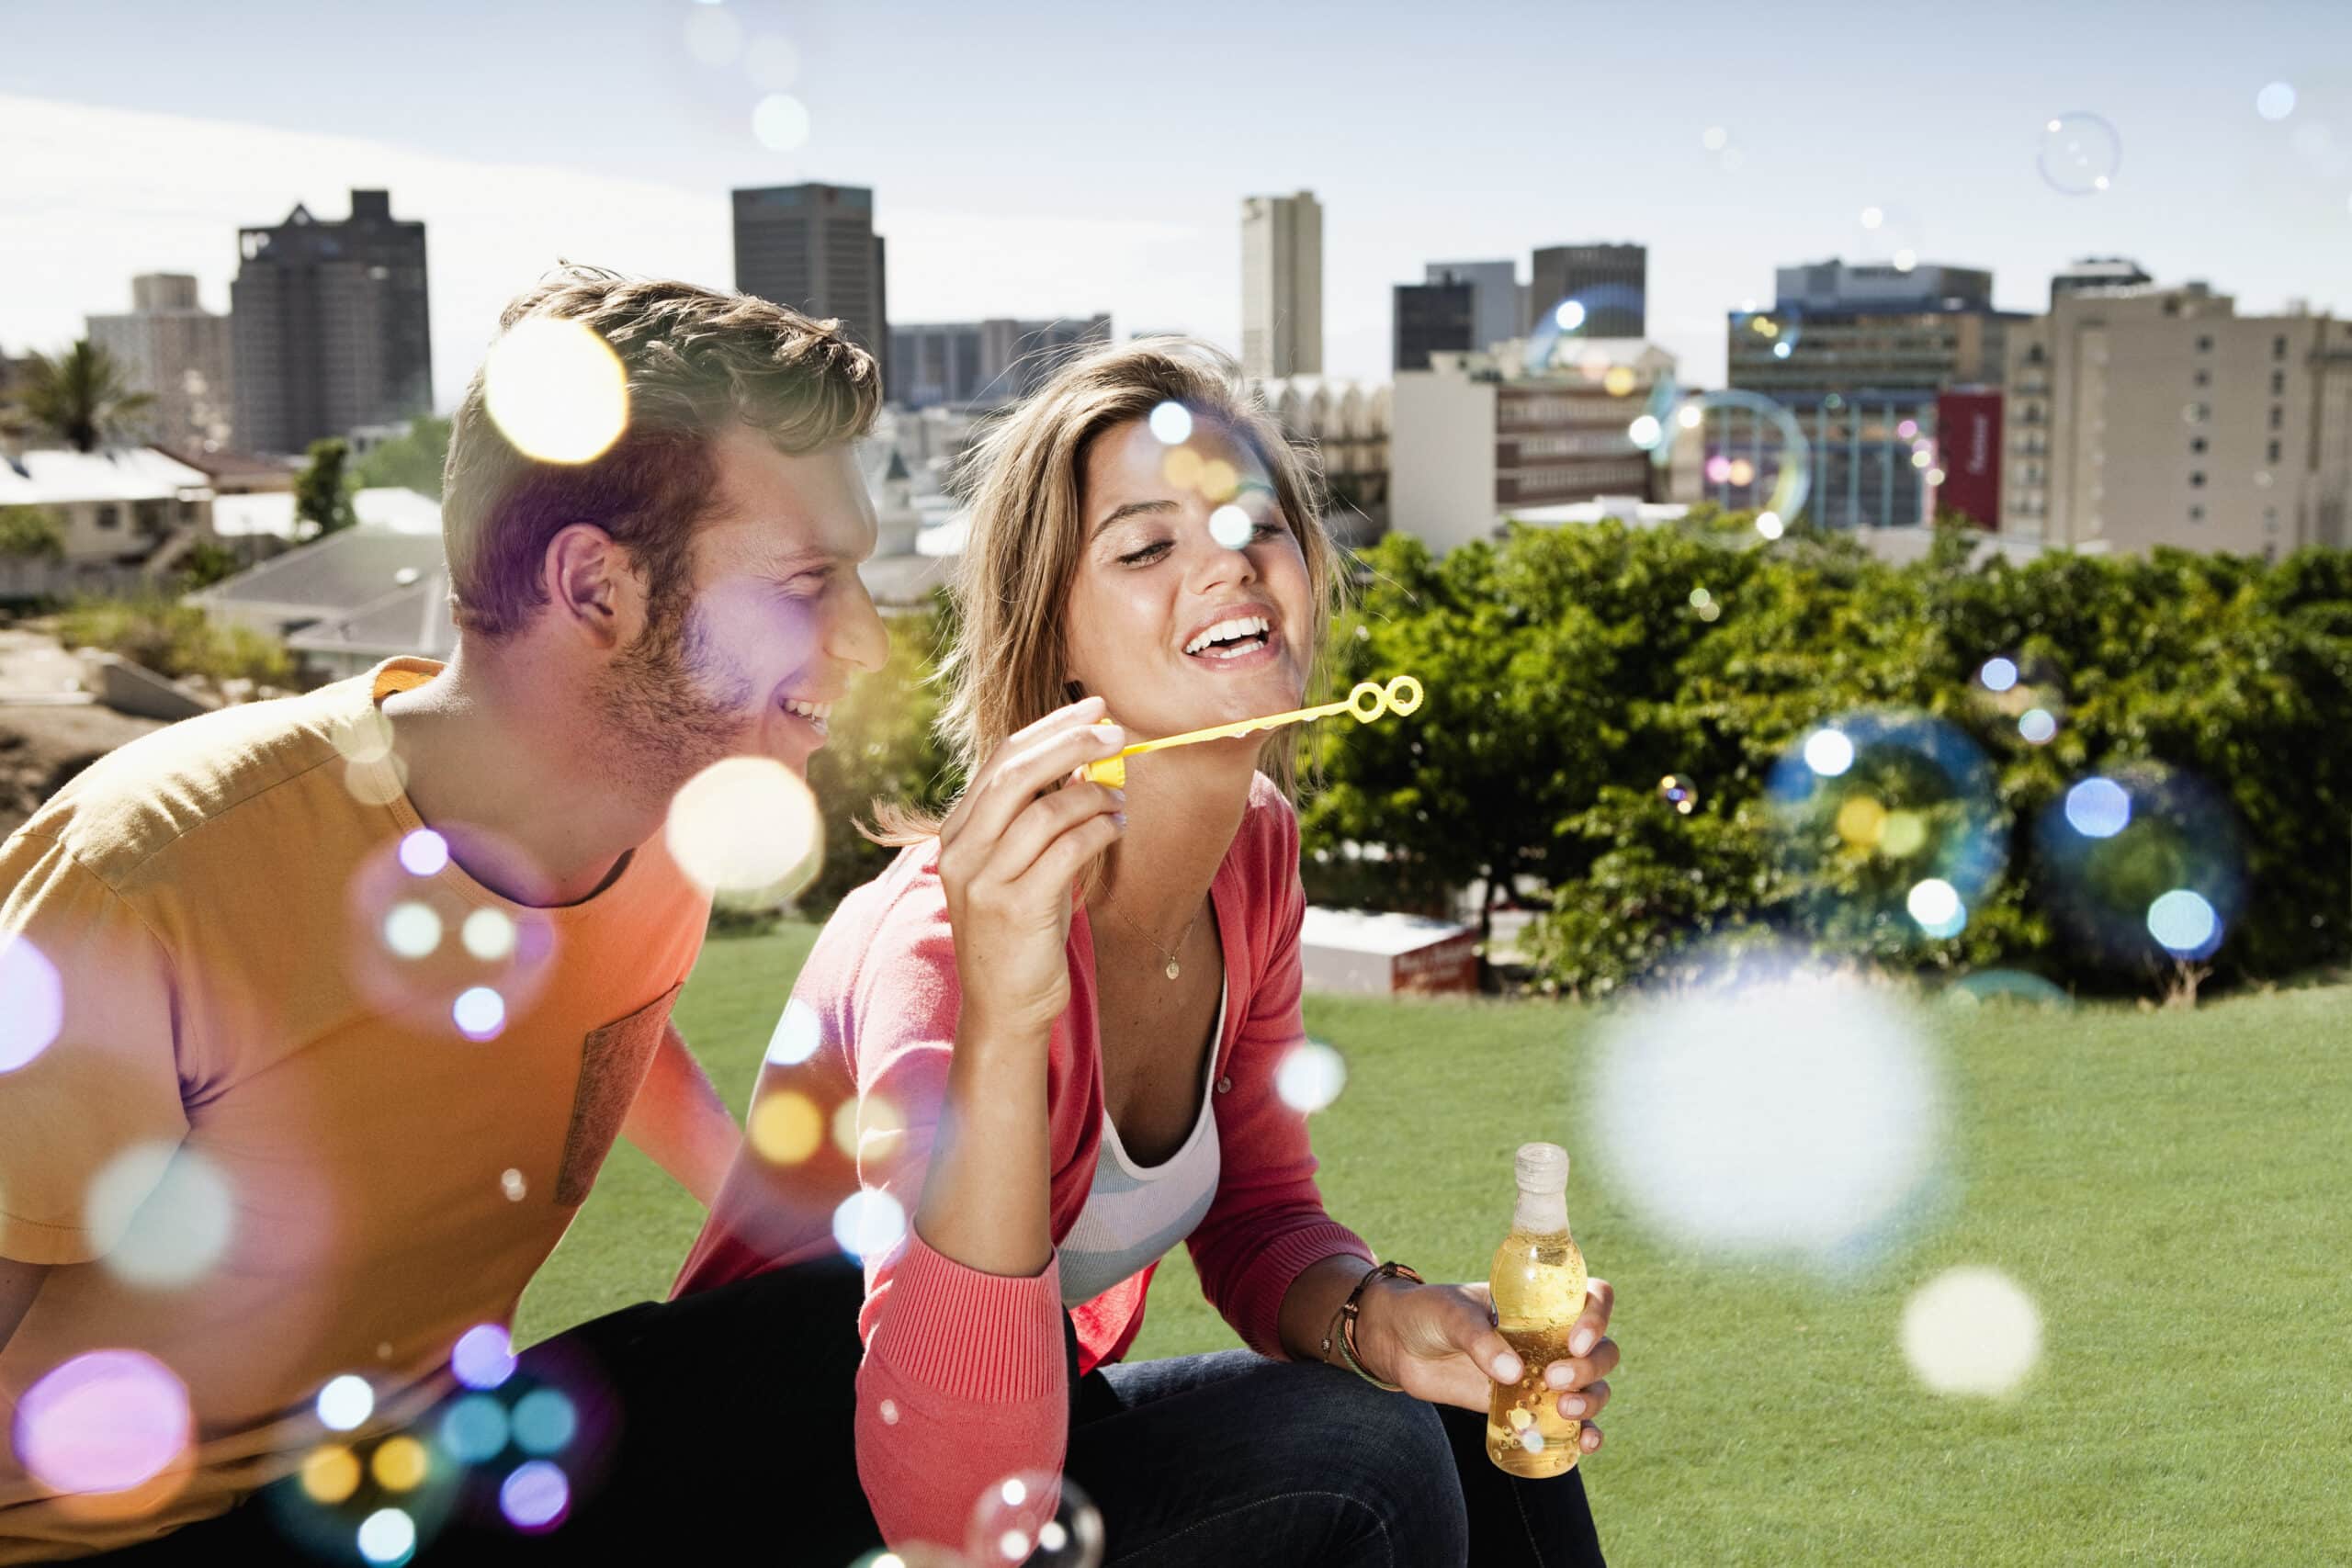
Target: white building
{"type": "Point", "coordinates": [2145, 415]}
{"type": "Point", "coordinates": [122, 505]}
{"type": "Point", "coordinates": [1282, 284]}
{"type": "Point", "coordinates": [1348, 424]}
{"type": "Point", "coordinates": [172, 348]}
{"type": "Point", "coordinates": [1475, 439]}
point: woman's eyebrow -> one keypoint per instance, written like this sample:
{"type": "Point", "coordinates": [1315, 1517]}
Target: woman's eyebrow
{"type": "Point", "coordinates": [1130, 509]}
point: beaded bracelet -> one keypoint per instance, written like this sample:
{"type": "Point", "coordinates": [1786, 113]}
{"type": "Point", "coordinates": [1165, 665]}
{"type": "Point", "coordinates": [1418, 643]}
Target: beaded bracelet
{"type": "Point", "coordinates": [1344, 1323]}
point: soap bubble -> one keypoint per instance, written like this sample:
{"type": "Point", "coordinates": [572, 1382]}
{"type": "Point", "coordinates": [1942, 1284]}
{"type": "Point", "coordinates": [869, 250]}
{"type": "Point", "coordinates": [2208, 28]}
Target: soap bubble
{"type": "Point", "coordinates": [387, 1536]}
{"type": "Point", "coordinates": [511, 1182]}
{"type": "Point", "coordinates": [545, 1421]}
{"type": "Point", "coordinates": [1695, 1094]}
{"type": "Point", "coordinates": [1891, 817]}
{"type": "Point", "coordinates": [32, 1002]}
{"type": "Point", "coordinates": [1310, 1077]}
{"type": "Point", "coordinates": [104, 1421]}
{"type": "Point", "coordinates": [869, 1223]}
{"type": "Point", "coordinates": [1770, 331]}
{"type": "Point", "coordinates": [489, 934]}
{"type": "Point", "coordinates": [798, 1033]}
{"type": "Point", "coordinates": [2037, 725]}
{"type": "Point", "coordinates": [1972, 1331]}
{"type": "Point", "coordinates": [1998, 675]}
{"type": "Point", "coordinates": [2080, 153]}
{"type": "Point", "coordinates": [400, 954]}
{"type": "Point", "coordinates": [478, 1012]}
{"type": "Point", "coordinates": [1035, 1517]}
{"type": "Point", "coordinates": [536, 1497]}
{"type": "Point", "coordinates": [714, 37]}
{"type": "Point", "coordinates": [329, 1474]}
{"type": "Point", "coordinates": [400, 1463]}
{"type": "Point", "coordinates": [169, 1209]}
{"type": "Point", "coordinates": [424, 853]}
{"type": "Point", "coordinates": [780, 123]}
{"type": "Point", "coordinates": [345, 1402]}
{"type": "Point", "coordinates": [1569, 336]}
{"type": "Point", "coordinates": [1755, 453]}
{"type": "Point", "coordinates": [2142, 865]}
{"type": "Point", "coordinates": [746, 825]}
{"type": "Point", "coordinates": [784, 1127]}
{"type": "Point", "coordinates": [1680, 793]}
{"type": "Point", "coordinates": [411, 930]}
{"type": "Point", "coordinates": [1230, 526]}
{"type": "Point", "coordinates": [1172, 424]}
{"type": "Point", "coordinates": [556, 389]}
{"type": "Point", "coordinates": [2276, 101]}
{"type": "Point", "coordinates": [2005, 984]}
{"type": "Point", "coordinates": [483, 1357]}
{"type": "Point", "coordinates": [475, 1429]}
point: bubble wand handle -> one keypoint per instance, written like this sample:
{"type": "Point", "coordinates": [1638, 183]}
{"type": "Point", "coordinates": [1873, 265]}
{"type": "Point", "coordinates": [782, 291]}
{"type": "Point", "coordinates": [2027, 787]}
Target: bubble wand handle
{"type": "Point", "coordinates": [1367, 702]}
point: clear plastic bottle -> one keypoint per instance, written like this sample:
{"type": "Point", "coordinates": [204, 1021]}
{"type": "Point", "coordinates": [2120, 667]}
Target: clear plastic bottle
{"type": "Point", "coordinates": [1538, 1280]}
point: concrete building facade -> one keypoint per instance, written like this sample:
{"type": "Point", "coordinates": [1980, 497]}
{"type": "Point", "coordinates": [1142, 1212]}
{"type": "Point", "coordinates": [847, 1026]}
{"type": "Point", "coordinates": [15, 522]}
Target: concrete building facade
{"type": "Point", "coordinates": [178, 353]}
{"type": "Point", "coordinates": [962, 363]}
{"type": "Point", "coordinates": [1282, 284]}
{"type": "Point", "coordinates": [1611, 281]}
{"type": "Point", "coordinates": [2145, 415]}
{"type": "Point", "coordinates": [813, 247]}
{"type": "Point", "coordinates": [330, 326]}
{"type": "Point", "coordinates": [1429, 319]}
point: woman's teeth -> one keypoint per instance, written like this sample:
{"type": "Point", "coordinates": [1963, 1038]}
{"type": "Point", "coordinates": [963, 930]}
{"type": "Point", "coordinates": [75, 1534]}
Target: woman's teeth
{"type": "Point", "coordinates": [815, 713]}
{"type": "Point", "coordinates": [1241, 627]}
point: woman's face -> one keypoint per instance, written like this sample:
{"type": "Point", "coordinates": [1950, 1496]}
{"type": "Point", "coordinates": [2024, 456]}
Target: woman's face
{"type": "Point", "coordinates": [1191, 604]}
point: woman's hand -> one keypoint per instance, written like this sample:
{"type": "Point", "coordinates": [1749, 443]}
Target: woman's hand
{"type": "Point", "coordinates": [1440, 1342]}
{"type": "Point", "coordinates": [1008, 855]}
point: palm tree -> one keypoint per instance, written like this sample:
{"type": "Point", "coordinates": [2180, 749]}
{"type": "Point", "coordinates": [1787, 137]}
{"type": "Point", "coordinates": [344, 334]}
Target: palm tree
{"type": "Point", "coordinates": [82, 396]}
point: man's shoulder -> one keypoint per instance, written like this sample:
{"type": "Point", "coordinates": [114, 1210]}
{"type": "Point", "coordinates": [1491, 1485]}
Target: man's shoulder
{"type": "Point", "coordinates": [144, 799]}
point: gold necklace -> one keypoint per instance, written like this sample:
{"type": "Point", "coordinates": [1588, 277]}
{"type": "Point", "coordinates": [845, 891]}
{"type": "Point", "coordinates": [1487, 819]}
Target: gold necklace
{"type": "Point", "coordinates": [1173, 968]}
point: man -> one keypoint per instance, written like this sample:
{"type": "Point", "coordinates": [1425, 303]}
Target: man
{"type": "Point", "coordinates": [320, 1014]}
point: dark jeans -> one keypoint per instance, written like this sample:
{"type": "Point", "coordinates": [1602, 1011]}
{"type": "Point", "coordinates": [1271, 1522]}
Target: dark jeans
{"type": "Point", "coordinates": [721, 1423]}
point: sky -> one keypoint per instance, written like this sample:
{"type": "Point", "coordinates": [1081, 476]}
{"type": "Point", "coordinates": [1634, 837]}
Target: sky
{"type": "Point", "coordinates": [1059, 159]}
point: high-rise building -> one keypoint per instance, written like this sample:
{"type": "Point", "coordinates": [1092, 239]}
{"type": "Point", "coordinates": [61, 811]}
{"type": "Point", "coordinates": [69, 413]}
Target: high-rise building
{"type": "Point", "coordinates": [2098, 272]}
{"type": "Point", "coordinates": [1862, 358]}
{"type": "Point", "coordinates": [1282, 284]}
{"type": "Point", "coordinates": [2141, 415]}
{"type": "Point", "coordinates": [1432, 318]}
{"type": "Point", "coordinates": [330, 325]}
{"type": "Point", "coordinates": [1611, 281]}
{"type": "Point", "coordinates": [178, 353]}
{"type": "Point", "coordinates": [1497, 314]}
{"type": "Point", "coordinates": [967, 364]}
{"type": "Point", "coordinates": [1475, 438]}
{"type": "Point", "coordinates": [813, 247]}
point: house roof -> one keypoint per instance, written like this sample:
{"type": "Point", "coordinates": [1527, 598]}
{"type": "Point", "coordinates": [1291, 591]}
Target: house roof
{"type": "Point", "coordinates": [332, 576]}
{"type": "Point", "coordinates": [412, 618]}
{"type": "Point", "coordinates": [227, 465]}
{"type": "Point", "coordinates": [272, 511]}
{"type": "Point", "coordinates": [1373, 930]}
{"type": "Point", "coordinates": [49, 476]}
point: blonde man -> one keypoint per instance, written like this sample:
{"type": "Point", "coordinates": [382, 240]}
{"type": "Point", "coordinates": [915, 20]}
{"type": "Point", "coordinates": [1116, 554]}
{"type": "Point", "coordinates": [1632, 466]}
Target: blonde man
{"type": "Point", "coordinates": [332, 1005]}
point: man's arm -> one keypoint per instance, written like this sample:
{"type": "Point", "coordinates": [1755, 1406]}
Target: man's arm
{"type": "Point", "coordinates": [20, 1283]}
{"type": "Point", "coordinates": [679, 1121]}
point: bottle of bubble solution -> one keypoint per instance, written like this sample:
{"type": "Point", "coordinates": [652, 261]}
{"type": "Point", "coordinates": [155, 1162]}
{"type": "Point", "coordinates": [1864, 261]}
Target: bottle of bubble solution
{"type": "Point", "coordinates": [1538, 1280]}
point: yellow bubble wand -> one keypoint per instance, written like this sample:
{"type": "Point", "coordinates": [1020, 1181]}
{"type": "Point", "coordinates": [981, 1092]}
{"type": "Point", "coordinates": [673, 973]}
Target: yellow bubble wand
{"type": "Point", "coordinates": [1367, 702]}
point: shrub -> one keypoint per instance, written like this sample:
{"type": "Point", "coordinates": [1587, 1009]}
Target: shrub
{"type": "Point", "coordinates": [176, 640]}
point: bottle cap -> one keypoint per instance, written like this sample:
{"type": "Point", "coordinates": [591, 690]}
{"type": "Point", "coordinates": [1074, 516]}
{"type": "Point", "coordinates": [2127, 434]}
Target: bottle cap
{"type": "Point", "coordinates": [1542, 1167]}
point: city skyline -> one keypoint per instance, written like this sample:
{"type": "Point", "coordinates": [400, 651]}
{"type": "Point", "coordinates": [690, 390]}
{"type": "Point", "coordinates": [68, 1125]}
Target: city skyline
{"type": "Point", "coordinates": [1035, 205]}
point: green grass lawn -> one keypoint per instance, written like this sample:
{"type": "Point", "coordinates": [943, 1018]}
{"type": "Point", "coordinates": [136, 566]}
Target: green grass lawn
{"type": "Point", "coordinates": [2164, 1184]}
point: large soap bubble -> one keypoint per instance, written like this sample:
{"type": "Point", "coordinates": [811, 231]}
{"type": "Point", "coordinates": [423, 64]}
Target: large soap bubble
{"type": "Point", "coordinates": [2142, 863]}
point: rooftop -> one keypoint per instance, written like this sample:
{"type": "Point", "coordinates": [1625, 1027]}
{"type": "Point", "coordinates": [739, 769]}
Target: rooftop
{"type": "Point", "coordinates": [48, 475]}
{"type": "Point", "coordinates": [337, 576]}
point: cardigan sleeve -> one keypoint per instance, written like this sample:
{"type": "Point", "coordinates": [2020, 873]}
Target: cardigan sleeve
{"type": "Point", "coordinates": [964, 1381]}
{"type": "Point", "coordinates": [1267, 1224]}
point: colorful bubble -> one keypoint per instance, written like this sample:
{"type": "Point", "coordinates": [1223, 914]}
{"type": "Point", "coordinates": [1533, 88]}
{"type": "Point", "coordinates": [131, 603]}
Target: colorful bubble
{"type": "Point", "coordinates": [1310, 1077]}
{"type": "Point", "coordinates": [2141, 866]}
{"type": "Point", "coordinates": [329, 1474]}
{"type": "Point", "coordinates": [475, 1429]}
{"type": "Point", "coordinates": [346, 1402]}
{"type": "Point", "coordinates": [1230, 526]}
{"type": "Point", "coordinates": [1172, 424]}
{"type": "Point", "coordinates": [536, 1497]}
{"type": "Point", "coordinates": [1035, 1517]}
{"type": "Point", "coordinates": [2005, 984]}
{"type": "Point", "coordinates": [1753, 454]}
{"type": "Point", "coordinates": [556, 389]}
{"type": "Point", "coordinates": [865, 1126]}
{"type": "Point", "coordinates": [424, 853]}
{"type": "Point", "coordinates": [104, 1421]}
{"type": "Point", "coordinates": [411, 930]}
{"type": "Point", "coordinates": [2276, 101]}
{"type": "Point", "coordinates": [1680, 793]}
{"type": "Point", "coordinates": [869, 1223]}
{"type": "Point", "coordinates": [1998, 675]}
{"type": "Point", "coordinates": [32, 1002]}
{"type": "Point", "coordinates": [169, 1211]}
{"type": "Point", "coordinates": [2037, 725]}
{"type": "Point", "coordinates": [798, 1033]}
{"type": "Point", "coordinates": [745, 825]}
{"type": "Point", "coordinates": [1972, 1331]}
{"type": "Point", "coordinates": [511, 1182]}
{"type": "Point", "coordinates": [1828, 752]}
{"type": "Point", "coordinates": [785, 1127]}
{"type": "Point", "coordinates": [387, 1536]}
{"type": "Point", "coordinates": [2098, 808]}
{"type": "Point", "coordinates": [478, 1012]}
{"type": "Point", "coordinates": [780, 123]}
{"type": "Point", "coordinates": [400, 1463]}
{"type": "Point", "coordinates": [1937, 906]}
{"type": "Point", "coordinates": [489, 934]}
{"type": "Point", "coordinates": [1768, 524]}
{"type": "Point", "coordinates": [545, 1421]}
{"type": "Point", "coordinates": [2080, 153]}
{"type": "Point", "coordinates": [2184, 924]}
{"type": "Point", "coordinates": [483, 1357]}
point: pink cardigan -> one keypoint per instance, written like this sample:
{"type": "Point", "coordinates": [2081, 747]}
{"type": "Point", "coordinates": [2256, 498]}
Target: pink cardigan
{"type": "Point", "coordinates": [964, 1381]}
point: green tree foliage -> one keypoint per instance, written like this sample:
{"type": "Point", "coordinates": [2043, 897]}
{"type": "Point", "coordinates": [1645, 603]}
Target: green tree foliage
{"type": "Point", "coordinates": [32, 533]}
{"type": "Point", "coordinates": [413, 461]}
{"type": "Point", "coordinates": [322, 489]}
{"type": "Point", "coordinates": [82, 398]}
{"type": "Point", "coordinates": [206, 563]}
{"type": "Point", "coordinates": [879, 748]}
{"type": "Point", "coordinates": [175, 640]}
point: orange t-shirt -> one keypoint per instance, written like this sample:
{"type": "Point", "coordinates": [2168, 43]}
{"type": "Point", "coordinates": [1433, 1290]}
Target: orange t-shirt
{"type": "Point", "coordinates": [303, 1099]}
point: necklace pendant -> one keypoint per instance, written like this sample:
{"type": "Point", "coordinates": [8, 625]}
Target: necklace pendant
{"type": "Point", "coordinates": [1173, 970]}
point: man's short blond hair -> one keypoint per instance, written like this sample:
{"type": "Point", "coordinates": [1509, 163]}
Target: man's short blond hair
{"type": "Point", "coordinates": [698, 364]}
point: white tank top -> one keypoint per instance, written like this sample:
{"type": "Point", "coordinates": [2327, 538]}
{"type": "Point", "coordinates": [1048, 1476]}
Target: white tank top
{"type": "Point", "coordinates": [1135, 1213]}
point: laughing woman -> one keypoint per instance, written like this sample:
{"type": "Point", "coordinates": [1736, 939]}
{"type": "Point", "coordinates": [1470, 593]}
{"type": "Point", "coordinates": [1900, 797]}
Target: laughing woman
{"type": "Point", "coordinates": [1060, 1013]}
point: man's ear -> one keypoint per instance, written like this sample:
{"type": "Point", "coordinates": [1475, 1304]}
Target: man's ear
{"type": "Point", "coordinates": [592, 586]}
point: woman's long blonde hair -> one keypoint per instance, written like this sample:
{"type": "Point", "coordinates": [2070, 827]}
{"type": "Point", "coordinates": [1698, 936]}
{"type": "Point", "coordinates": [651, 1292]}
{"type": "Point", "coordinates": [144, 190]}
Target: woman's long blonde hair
{"type": "Point", "coordinates": [1006, 665]}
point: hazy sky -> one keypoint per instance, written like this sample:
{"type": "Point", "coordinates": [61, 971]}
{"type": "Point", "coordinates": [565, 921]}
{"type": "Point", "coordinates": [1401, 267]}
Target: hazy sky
{"type": "Point", "coordinates": [1053, 159]}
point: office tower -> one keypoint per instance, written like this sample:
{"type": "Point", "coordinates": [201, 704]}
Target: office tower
{"type": "Point", "coordinates": [172, 348]}
{"type": "Point", "coordinates": [2142, 414]}
{"type": "Point", "coordinates": [984, 363]}
{"type": "Point", "coordinates": [1282, 284]}
{"type": "Point", "coordinates": [329, 325]}
{"type": "Point", "coordinates": [1497, 314]}
{"type": "Point", "coordinates": [1432, 318]}
{"type": "Point", "coordinates": [813, 247]}
{"type": "Point", "coordinates": [1611, 281]}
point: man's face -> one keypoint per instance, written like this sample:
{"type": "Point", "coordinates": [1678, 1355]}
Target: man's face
{"type": "Point", "coordinates": [776, 622]}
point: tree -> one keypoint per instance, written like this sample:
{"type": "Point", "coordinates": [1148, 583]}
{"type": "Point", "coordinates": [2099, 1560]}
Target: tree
{"type": "Point", "coordinates": [322, 493]}
{"type": "Point", "coordinates": [413, 461]}
{"type": "Point", "coordinates": [32, 533]}
{"type": "Point", "coordinates": [82, 398]}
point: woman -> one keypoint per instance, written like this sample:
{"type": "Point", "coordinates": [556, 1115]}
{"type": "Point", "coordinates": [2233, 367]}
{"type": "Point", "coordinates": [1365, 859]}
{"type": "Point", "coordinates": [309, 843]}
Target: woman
{"type": "Point", "coordinates": [1053, 1089]}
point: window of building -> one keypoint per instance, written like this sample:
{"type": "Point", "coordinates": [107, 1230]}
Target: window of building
{"type": "Point", "coordinates": [2197, 480]}
{"type": "Point", "coordinates": [2274, 453]}
{"type": "Point", "coordinates": [2197, 443]}
{"type": "Point", "coordinates": [2277, 417]}
{"type": "Point", "coordinates": [2277, 383]}
{"type": "Point", "coordinates": [110, 516]}
{"type": "Point", "coordinates": [2204, 346]}
{"type": "Point", "coordinates": [2279, 347]}
{"type": "Point", "coordinates": [2197, 514]}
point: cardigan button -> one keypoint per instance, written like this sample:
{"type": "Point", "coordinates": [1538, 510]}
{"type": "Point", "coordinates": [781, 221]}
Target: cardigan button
{"type": "Point", "coordinates": [1225, 1086]}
